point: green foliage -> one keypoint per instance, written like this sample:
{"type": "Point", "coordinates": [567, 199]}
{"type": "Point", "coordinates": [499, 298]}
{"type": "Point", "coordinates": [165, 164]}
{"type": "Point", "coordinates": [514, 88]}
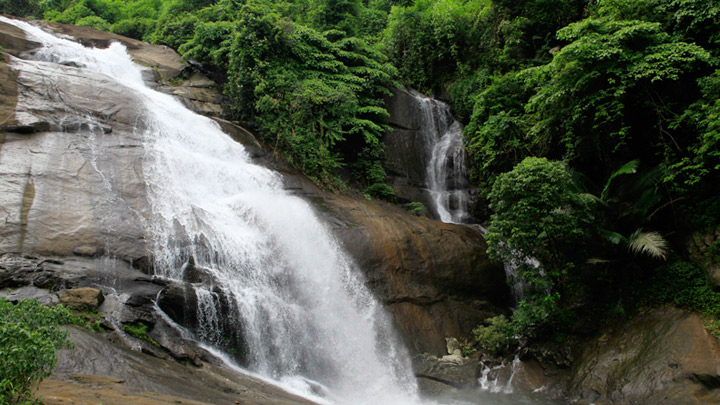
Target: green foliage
{"type": "Point", "coordinates": [416, 208]}
{"type": "Point", "coordinates": [95, 22]}
{"type": "Point", "coordinates": [681, 284]}
{"type": "Point", "coordinates": [315, 96]}
{"type": "Point", "coordinates": [29, 8]}
{"type": "Point", "coordinates": [538, 215]}
{"type": "Point", "coordinates": [496, 337]}
{"type": "Point", "coordinates": [543, 224]}
{"type": "Point", "coordinates": [139, 330]}
{"type": "Point", "coordinates": [496, 135]}
{"type": "Point", "coordinates": [585, 94]}
{"type": "Point", "coordinates": [428, 40]}
{"type": "Point", "coordinates": [29, 335]}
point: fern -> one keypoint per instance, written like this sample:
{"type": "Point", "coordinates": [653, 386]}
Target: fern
{"type": "Point", "coordinates": [650, 243]}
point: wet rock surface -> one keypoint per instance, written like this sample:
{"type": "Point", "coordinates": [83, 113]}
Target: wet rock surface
{"type": "Point", "coordinates": [98, 371]}
{"type": "Point", "coordinates": [436, 375]}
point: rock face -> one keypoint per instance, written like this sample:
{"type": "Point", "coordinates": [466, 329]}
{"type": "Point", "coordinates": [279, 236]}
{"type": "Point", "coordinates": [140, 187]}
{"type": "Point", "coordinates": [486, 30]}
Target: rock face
{"type": "Point", "coordinates": [435, 278]}
{"type": "Point", "coordinates": [406, 158]}
{"type": "Point", "coordinates": [664, 357]}
{"type": "Point", "coordinates": [436, 374]}
{"type": "Point", "coordinates": [69, 139]}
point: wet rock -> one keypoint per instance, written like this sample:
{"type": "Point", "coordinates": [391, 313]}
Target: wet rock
{"type": "Point", "coordinates": [451, 371]}
{"type": "Point", "coordinates": [665, 356]}
{"type": "Point", "coordinates": [30, 293]}
{"type": "Point", "coordinates": [179, 302]}
{"type": "Point", "coordinates": [435, 278]}
{"type": "Point", "coordinates": [82, 299]}
{"type": "Point", "coordinates": [13, 41]}
{"type": "Point", "coordinates": [137, 378]}
{"type": "Point", "coordinates": [70, 205]}
{"type": "Point", "coordinates": [406, 158]}
{"type": "Point", "coordinates": [165, 62]}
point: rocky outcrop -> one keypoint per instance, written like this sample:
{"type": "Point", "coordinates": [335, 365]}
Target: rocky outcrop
{"type": "Point", "coordinates": [662, 357]}
{"type": "Point", "coordinates": [406, 157]}
{"type": "Point", "coordinates": [436, 375]}
{"type": "Point", "coordinates": [75, 209]}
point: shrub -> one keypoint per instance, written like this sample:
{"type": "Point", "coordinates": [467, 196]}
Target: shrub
{"type": "Point", "coordinates": [29, 335]}
{"type": "Point", "coordinates": [495, 338]}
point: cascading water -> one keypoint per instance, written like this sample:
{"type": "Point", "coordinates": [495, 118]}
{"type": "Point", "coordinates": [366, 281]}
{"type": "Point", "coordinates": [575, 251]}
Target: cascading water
{"type": "Point", "coordinates": [446, 174]}
{"type": "Point", "coordinates": [281, 280]}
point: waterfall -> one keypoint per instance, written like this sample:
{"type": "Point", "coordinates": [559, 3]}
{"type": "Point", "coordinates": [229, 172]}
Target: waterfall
{"type": "Point", "coordinates": [446, 173]}
{"type": "Point", "coordinates": [272, 271]}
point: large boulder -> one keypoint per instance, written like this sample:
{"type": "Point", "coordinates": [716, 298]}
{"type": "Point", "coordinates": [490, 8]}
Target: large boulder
{"type": "Point", "coordinates": [82, 299]}
{"type": "Point", "coordinates": [663, 357]}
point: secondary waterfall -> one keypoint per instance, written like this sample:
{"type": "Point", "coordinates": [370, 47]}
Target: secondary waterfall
{"type": "Point", "coordinates": [270, 269]}
{"type": "Point", "coordinates": [446, 174]}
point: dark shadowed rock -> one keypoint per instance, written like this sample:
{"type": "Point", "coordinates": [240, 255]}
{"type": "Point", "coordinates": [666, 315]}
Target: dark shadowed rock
{"type": "Point", "coordinates": [179, 302]}
{"type": "Point", "coordinates": [406, 157]}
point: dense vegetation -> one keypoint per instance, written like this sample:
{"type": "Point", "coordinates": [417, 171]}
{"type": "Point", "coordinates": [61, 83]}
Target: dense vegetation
{"type": "Point", "coordinates": [29, 335]}
{"type": "Point", "coordinates": [592, 127]}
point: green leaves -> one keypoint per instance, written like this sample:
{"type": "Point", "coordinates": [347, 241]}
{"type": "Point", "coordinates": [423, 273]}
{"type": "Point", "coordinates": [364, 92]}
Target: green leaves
{"type": "Point", "coordinates": [537, 215]}
{"type": "Point", "coordinates": [29, 335]}
{"type": "Point", "coordinates": [316, 96]}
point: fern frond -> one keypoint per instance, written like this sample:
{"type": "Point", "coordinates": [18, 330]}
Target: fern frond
{"type": "Point", "coordinates": [650, 243]}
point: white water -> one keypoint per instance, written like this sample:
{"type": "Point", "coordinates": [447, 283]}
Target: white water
{"type": "Point", "coordinates": [302, 308]}
{"type": "Point", "coordinates": [446, 173]}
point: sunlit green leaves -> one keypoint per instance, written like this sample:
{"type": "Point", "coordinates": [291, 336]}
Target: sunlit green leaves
{"type": "Point", "coordinates": [29, 335]}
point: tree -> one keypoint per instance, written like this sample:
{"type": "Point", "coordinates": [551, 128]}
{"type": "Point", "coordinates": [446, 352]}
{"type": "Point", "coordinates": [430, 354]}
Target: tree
{"type": "Point", "coordinates": [540, 217]}
{"type": "Point", "coordinates": [613, 92]}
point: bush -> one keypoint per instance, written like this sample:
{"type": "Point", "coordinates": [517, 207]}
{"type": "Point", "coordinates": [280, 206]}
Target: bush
{"type": "Point", "coordinates": [29, 335]}
{"type": "Point", "coordinates": [495, 338]}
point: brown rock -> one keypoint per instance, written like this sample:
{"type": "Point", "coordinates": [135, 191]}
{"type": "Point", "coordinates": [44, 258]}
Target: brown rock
{"type": "Point", "coordinates": [435, 277]}
{"type": "Point", "coordinates": [665, 356]}
{"type": "Point", "coordinates": [84, 298]}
